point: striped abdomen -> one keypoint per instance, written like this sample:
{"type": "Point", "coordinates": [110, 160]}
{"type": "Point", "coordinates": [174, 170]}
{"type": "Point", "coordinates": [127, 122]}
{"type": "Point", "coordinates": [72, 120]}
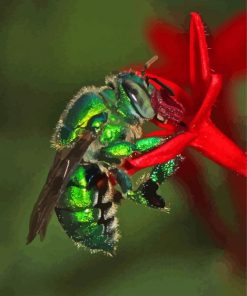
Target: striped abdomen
{"type": "Point", "coordinates": [86, 210]}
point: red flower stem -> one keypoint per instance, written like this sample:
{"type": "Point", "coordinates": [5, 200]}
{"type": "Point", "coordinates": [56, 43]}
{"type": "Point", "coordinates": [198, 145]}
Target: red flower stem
{"type": "Point", "coordinates": [237, 185]}
{"type": "Point", "coordinates": [203, 205]}
{"type": "Point", "coordinates": [199, 200]}
{"type": "Point", "coordinates": [216, 146]}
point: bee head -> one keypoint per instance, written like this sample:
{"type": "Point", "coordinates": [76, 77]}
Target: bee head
{"type": "Point", "coordinates": [138, 91]}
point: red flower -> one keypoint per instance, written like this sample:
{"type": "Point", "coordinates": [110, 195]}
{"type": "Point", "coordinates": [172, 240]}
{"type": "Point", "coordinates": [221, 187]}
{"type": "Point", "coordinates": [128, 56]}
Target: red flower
{"type": "Point", "coordinates": [201, 133]}
{"type": "Point", "coordinates": [185, 61]}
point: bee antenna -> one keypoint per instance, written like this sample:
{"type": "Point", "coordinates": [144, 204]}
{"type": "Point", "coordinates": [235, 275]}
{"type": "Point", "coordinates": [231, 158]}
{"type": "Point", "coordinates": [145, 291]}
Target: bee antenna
{"type": "Point", "coordinates": [148, 64]}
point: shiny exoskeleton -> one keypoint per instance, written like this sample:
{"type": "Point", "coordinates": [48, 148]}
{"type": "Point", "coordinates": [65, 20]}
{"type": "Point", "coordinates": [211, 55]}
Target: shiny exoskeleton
{"type": "Point", "coordinates": [98, 130]}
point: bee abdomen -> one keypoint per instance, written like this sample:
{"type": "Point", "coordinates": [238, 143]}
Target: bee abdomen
{"type": "Point", "coordinates": [86, 211]}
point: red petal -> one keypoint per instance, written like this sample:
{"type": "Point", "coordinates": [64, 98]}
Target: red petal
{"type": "Point", "coordinates": [229, 48]}
{"type": "Point", "coordinates": [208, 102]}
{"type": "Point", "coordinates": [129, 168]}
{"type": "Point", "coordinates": [216, 146]}
{"type": "Point", "coordinates": [163, 153]}
{"type": "Point", "coordinates": [199, 60]}
{"type": "Point", "coordinates": [159, 133]}
{"type": "Point", "coordinates": [171, 45]}
{"type": "Point", "coordinates": [225, 116]}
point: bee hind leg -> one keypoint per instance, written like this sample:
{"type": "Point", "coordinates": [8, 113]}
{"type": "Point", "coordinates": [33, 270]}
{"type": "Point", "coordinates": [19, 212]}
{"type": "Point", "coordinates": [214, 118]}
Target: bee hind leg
{"type": "Point", "coordinates": [146, 193]}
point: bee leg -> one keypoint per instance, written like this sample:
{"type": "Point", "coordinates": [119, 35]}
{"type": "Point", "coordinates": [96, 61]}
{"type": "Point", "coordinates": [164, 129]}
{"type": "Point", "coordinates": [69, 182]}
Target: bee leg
{"type": "Point", "coordinates": [120, 150]}
{"type": "Point", "coordinates": [146, 193]}
{"type": "Point", "coordinates": [122, 179]}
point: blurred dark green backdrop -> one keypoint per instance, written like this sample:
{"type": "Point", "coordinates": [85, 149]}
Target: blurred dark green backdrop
{"type": "Point", "coordinates": [48, 50]}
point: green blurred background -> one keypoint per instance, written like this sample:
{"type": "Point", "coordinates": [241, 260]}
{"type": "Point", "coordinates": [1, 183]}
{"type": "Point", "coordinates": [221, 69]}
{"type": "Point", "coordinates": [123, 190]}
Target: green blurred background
{"type": "Point", "coordinates": [48, 50]}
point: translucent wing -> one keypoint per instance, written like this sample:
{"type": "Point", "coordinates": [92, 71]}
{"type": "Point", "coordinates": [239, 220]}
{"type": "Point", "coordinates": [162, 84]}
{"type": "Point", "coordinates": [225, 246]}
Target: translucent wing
{"type": "Point", "coordinates": [64, 164]}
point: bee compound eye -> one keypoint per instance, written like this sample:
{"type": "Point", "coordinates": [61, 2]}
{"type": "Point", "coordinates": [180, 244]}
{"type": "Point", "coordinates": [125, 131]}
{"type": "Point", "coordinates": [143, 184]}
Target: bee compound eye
{"type": "Point", "coordinates": [139, 98]}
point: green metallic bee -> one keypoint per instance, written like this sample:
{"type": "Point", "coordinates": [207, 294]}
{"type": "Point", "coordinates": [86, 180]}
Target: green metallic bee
{"type": "Point", "coordinates": [99, 129]}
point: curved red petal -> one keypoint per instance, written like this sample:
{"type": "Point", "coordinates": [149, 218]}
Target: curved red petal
{"type": "Point", "coordinates": [204, 111]}
{"type": "Point", "coordinates": [199, 60]}
{"type": "Point", "coordinates": [216, 146]}
{"type": "Point", "coordinates": [229, 47]}
{"type": "Point", "coordinates": [163, 153]}
{"type": "Point", "coordinates": [129, 168]}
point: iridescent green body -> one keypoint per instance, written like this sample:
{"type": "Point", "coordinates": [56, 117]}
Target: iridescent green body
{"type": "Point", "coordinates": [115, 114]}
{"type": "Point", "coordinates": [81, 213]}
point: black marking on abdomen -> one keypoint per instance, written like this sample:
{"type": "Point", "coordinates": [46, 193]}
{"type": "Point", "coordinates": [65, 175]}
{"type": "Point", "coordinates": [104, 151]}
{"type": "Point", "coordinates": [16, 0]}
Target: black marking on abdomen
{"type": "Point", "coordinates": [102, 186]}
